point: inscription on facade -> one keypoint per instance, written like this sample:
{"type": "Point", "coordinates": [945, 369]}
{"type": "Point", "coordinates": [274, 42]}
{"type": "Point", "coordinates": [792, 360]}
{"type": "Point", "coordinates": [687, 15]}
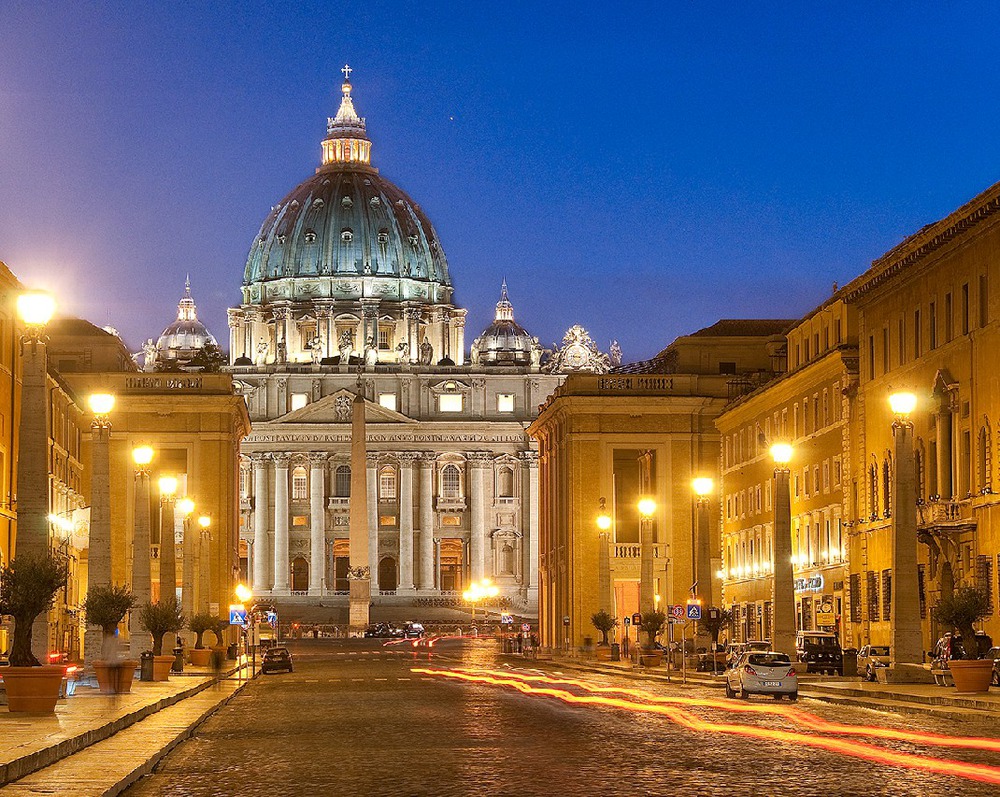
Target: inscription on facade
{"type": "Point", "coordinates": [163, 383]}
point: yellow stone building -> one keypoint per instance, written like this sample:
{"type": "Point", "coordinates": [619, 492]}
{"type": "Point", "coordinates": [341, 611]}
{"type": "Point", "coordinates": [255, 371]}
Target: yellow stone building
{"type": "Point", "coordinates": [809, 407]}
{"type": "Point", "coordinates": [646, 430]}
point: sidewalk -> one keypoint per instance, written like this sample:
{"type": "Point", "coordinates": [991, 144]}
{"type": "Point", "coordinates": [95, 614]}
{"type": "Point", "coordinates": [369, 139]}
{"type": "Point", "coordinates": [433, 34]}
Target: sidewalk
{"type": "Point", "coordinates": [29, 743]}
{"type": "Point", "coordinates": [901, 698]}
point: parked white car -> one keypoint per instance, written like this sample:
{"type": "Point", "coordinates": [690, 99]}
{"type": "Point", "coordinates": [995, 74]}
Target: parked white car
{"type": "Point", "coordinates": [762, 673]}
{"type": "Point", "coordinates": [870, 659]}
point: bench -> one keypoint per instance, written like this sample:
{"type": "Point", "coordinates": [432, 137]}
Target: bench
{"type": "Point", "coordinates": [942, 677]}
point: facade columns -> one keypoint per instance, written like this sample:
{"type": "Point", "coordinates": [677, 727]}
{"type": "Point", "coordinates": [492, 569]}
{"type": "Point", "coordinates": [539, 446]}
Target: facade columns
{"type": "Point", "coordinates": [237, 335]}
{"type": "Point", "coordinates": [139, 640]}
{"type": "Point", "coordinates": [317, 520]}
{"type": "Point", "coordinates": [261, 583]}
{"type": "Point", "coordinates": [168, 551]}
{"type": "Point", "coordinates": [458, 335]}
{"type": "Point", "coordinates": [190, 547]}
{"type": "Point", "coordinates": [99, 551]}
{"type": "Point", "coordinates": [942, 424]}
{"type": "Point", "coordinates": [445, 334]}
{"type": "Point", "coordinates": [530, 459]}
{"type": "Point", "coordinates": [205, 572]}
{"type": "Point", "coordinates": [783, 605]}
{"type": "Point", "coordinates": [412, 315]}
{"type": "Point", "coordinates": [369, 324]}
{"type": "Point", "coordinates": [280, 524]}
{"type": "Point", "coordinates": [906, 637]}
{"type": "Point", "coordinates": [371, 482]}
{"type": "Point", "coordinates": [426, 580]}
{"type": "Point", "coordinates": [406, 460]}
{"type": "Point", "coordinates": [477, 542]}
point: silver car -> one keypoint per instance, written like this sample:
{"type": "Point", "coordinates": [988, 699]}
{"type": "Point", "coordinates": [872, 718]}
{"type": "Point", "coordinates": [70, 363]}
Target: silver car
{"type": "Point", "coordinates": [870, 659]}
{"type": "Point", "coordinates": [762, 673]}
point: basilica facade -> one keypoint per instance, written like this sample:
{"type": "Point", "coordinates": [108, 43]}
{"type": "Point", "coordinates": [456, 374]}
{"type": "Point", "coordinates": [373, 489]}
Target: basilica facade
{"type": "Point", "coordinates": [347, 290]}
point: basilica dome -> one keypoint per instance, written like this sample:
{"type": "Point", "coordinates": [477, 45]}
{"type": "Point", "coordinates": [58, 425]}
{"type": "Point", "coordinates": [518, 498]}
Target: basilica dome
{"type": "Point", "coordinates": [505, 342]}
{"type": "Point", "coordinates": [346, 232]}
{"type": "Point", "coordinates": [186, 336]}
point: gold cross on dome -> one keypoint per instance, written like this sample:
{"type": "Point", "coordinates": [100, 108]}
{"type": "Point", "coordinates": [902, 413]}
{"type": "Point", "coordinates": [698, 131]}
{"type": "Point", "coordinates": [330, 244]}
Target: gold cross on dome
{"type": "Point", "coordinates": [347, 72]}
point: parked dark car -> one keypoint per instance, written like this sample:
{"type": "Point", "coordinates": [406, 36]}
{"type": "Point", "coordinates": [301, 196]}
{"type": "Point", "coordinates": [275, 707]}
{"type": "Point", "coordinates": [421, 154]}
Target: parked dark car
{"type": "Point", "coordinates": [413, 630]}
{"type": "Point", "coordinates": [819, 651]}
{"type": "Point", "coordinates": [384, 631]}
{"type": "Point", "coordinates": [277, 660]}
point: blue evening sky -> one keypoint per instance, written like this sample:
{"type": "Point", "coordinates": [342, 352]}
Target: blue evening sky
{"type": "Point", "coordinates": [641, 169]}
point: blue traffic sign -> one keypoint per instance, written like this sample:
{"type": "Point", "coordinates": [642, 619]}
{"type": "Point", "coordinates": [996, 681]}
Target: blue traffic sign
{"type": "Point", "coordinates": [694, 611]}
{"type": "Point", "coordinates": [237, 615]}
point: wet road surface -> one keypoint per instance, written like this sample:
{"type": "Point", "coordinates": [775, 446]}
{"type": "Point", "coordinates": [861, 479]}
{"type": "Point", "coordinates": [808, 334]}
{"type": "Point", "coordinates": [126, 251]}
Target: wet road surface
{"type": "Point", "coordinates": [359, 718]}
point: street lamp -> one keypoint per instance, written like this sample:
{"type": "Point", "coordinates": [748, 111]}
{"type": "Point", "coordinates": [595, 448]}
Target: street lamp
{"type": "Point", "coordinates": [703, 488]}
{"type": "Point", "coordinates": [783, 621]}
{"type": "Point", "coordinates": [244, 595]}
{"type": "Point", "coordinates": [168, 553]}
{"type": "Point", "coordinates": [204, 563]}
{"type": "Point", "coordinates": [906, 636]}
{"type": "Point", "coordinates": [480, 591]}
{"type": "Point", "coordinates": [99, 547]}
{"type": "Point", "coordinates": [186, 507]}
{"type": "Point", "coordinates": [647, 508]}
{"type": "Point", "coordinates": [604, 559]}
{"type": "Point", "coordinates": [142, 456]}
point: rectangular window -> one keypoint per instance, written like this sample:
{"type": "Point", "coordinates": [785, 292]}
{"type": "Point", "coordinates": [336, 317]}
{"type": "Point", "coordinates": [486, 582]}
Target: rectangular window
{"type": "Point", "coordinates": [949, 318]}
{"type": "Point", "coordinates": [387, 400]}
{"type": "Point", "coordinates": [805, 350]}
{"type": "Point", "coordinates": [984, 578]}
{"type": "Point", "coordinates": [826, 476]}
{"type": "Point", "coordinates": [505, 402]}
{"type": "Point", "coordinates": [965, 308]}
{"type": "Point", "coordinates": [727, 368]}
{"type": "Point", "coordinates": [901, 341]}
{"type": "Point", "coordinates": [855, 597]}
{"type": "Point", "coordinates": [933, 333]}
{"type": "Point", "coordinates": [805, 416]}
{"type": "Point", "coordinates": [836, 332]}
{"type": "Point", "coordinates": [921, 591]}
{"type": "Point", "coordinates": [385, 337]}
{"type": "Point", "coordinates": [871, 356]}
{"type": "Point", "coordinates": [387, 520]}
{"type": "Point", "coordinates": [872, 589]}
{"type": "Point", "coordinates": [450, 402]}
{"type": "Point", "coordinates": [300, 485]}
{"type": "Point", "coordinates": [451, 520]}
{"type": "Point", "coordinates": [300, 521]}
{"type": "Point", "coordinates": [916, 334]}
{"type": "Point", "coordinates": [984, 301]}
{"type": "Point", "coordinates": [836, 471]}
{"type": "Point", "coordinates": [885, 350]}
{"type": "Point", "coordinates": [886, 594]}
{"type": "Point", "coordinates": [299, 400]}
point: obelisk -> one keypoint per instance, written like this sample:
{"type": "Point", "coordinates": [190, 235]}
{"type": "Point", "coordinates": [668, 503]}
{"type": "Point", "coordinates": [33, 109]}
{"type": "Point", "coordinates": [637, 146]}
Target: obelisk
{"type": "Point", "coordinates": [359, 572]}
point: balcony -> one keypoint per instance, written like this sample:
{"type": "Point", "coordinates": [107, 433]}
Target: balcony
{"type": "Point", "coordinates": [335, 502]}
{"type": "Point", "coordinates": [945, 516]}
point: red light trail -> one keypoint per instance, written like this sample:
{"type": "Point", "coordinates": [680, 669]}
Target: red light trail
{"type": "Point", "coordinates": [880, 755]}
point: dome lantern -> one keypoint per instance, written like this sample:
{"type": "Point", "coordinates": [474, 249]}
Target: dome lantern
{"type": "Point", "coordinates": [346, 134]}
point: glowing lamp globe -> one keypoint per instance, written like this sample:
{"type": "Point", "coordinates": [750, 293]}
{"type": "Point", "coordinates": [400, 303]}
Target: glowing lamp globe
{"type": "Point", "coordinates": [142, 455]}
{"type": "Point", "coordinates": [185, 506]}
{"type": "Point", "coordinates": [647, 506]}
{"type": "Point", "coordinates": [902, 404]}
{"type": "Point", "coordinates": [703, 486]}
{"type": "Point", "coordinates": [35, 308]}
{"type": "Point", "coordinates": [101, 403]}
{"type": "Point", "coordinates": [603, 522]}
{"type": "Point", "coordinates": [204, 521]}
{"type": "Point", "coordinates": [781, 453]}
{"type": "Point", "coordinates": [168, 485]}
{"type": "Point", "coordinates": [244, 593]}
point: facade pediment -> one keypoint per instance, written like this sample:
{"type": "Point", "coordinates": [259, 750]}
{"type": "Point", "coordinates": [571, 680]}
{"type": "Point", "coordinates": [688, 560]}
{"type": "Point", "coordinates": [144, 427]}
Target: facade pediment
{"type": "Point", "coordinates": [337, 408]}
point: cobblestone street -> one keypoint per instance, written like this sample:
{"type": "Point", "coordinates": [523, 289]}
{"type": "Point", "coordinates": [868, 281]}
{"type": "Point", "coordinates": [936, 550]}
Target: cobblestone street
{"type": "Point", "coordinates": [354, 718]}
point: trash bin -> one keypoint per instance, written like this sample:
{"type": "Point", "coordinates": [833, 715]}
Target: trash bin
{"type": "Point", "coordinates": [850, 662]}
{"type": "Point", "coordinates": [178, 665]}
{"type": "Point", "coordinates": [231, 652]}
{"type": "Point", "coordinates": [146, 666]}
{"type": "Point", "coordinates": [616, 652]}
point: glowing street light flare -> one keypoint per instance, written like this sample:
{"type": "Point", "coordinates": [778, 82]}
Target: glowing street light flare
{"type": "Point", "coordinates": [101, 403]}
{"type": "Point", "coordinates": [142, 455]}
{"type": "Point", "coordinates": [168, 486]}
{"type": "Point", "coordinates": [36, 308]}
{"type": "Point", "coordinates": [702, 486]}
{"type": "Point", "coordinates": [781, 453]}
{"type": "Point", "coordinates": [647, 507]}
{"type": "Point", "coordinates": [204, 521]}
{"type": "Point", "coordinates": [185, 506]}
{"type": "Point", "coordinates": [244, 593]}
{"type": "Point", "coordinates": [902, 404]}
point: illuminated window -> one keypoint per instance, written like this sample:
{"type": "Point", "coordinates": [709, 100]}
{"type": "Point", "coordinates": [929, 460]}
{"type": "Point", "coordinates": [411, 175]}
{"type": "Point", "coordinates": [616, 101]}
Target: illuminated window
{"type": "Point", "coordinates": [385, 337]}
{"type": "Point", "coordinates": [300, 520]}
{"type": "Point", "coordinates": [451, 520]}
{"type": "Point", "coordinates": [300, 484]}
{"type": "Point", "coordinates": [387, 520]}
{"type": "Point", "coordinates": [450, 402]}
{"type": "Point", "coordinates": [299, 400]}
{"type": "Point", "coordinates": [387, 400]}
{"type": "Point", "coordinates": [451, 482]}
{"type": "Point", "coordinates": [505, 402]}
{"type": "Point", "coordinates": [387, 482]}
{"type": "Point", "coordinates": [342, 481]}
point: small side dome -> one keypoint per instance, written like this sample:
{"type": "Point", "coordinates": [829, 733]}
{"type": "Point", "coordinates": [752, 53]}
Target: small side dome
{"type": "Point", "coordinates": [505, 342]}
{"type": "Point", "coordinates": [184, 339]}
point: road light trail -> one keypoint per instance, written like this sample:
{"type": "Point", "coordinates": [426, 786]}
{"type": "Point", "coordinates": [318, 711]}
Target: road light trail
{"type": "Point", "coordinates": [880, 755]}
{"type": "Point", "coordinates": [796, 715]}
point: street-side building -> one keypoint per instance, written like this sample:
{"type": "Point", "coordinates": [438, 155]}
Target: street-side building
{"type": "Point", "coordinates": [809, 406]}
{"type": "Point", "coordinates": [645, 430]}
{"type": "Point", "coordinates": [10, 397]}
{"type": "Point", "coordinates": [928, 323]}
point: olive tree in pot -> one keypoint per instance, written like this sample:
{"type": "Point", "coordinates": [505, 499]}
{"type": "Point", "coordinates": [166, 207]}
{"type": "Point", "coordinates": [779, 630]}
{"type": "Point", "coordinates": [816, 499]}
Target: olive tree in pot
{"type": "Point", "coordinates": [604, 623]}
{"type": "Point", "coordinates": [961, 610]}
{"type": "Point", "coordinates": [652, 625]}
{"type": "Point", "coordinates": [27, 586]}
{"type": "Point", "coordinates": [199, 624]}
{"type": "Point", "coordinates": [164, 617]}
{"type": "Point", "coordinates": [712, 623]}
{"type": "Point", "coordinates": [107, 607]}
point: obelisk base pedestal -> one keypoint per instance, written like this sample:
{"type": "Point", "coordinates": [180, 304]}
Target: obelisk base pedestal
{"type": "Point", "coordinates": [360, 605]}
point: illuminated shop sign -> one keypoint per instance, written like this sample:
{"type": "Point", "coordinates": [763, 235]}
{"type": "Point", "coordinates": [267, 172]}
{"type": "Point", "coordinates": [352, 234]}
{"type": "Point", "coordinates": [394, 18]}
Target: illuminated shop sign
{"type": "Point", "coordinates": [809, 584]}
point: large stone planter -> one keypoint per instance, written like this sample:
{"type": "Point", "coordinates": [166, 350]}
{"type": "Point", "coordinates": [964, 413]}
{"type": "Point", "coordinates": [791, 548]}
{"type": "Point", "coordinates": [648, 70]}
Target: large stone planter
{"type": "Point", "coordinates": [971, 675]}
{"type": "Point", "coordinates": [603, 652]}
{"type": "Point", "coordinates": [115, 677]}
{"type": "Point", "coordinates": [33, 690]}
{"type": "Point", "coordinates": [650, 658]}
{"type": "Point", "coordinates": [161, 667]}
{"type": "Point", "coordinates": [200, 657]}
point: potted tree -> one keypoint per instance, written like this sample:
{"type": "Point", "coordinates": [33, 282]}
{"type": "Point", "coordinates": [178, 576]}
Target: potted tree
{"type": "Point", "coordinates": [27, 586]}
{"type": "Point", "coordinates": [960, 610]}
{"type": "Point", "coordinates": [158, 619]}
{"type": "Point", "coordinates": [712, 622]}
{"type": "Point", "coordinates": [219, 630]}
{"type": "Point", "coordinates": [604, 623]}
{"type": "Point", "coordinates": [107, 607]}
{"type": "Point", "coordinates": [199, 624]}
{"type": "Point", "coordinates": [652, 624]}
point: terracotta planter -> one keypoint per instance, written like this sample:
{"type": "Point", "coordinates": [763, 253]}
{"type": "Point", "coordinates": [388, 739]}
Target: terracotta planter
{"type": "Point", "coordinates": [200, 656]}
{"type": "Point", "coordinates": [650, 658]}
{"type": "Point", "coordinates": [161, 667]}
{"type": "Point", "coordinates": [603, 652]}
{"type": "Point", "coordinates": [115, 677]}
{"type": "Point", "coordinates": [33, 690]}
{"type": "Point", "coordinates": [971, 675]}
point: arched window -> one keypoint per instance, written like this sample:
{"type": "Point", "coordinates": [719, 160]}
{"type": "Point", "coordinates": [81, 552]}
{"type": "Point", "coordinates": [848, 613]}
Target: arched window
{"type": "Point", "coordinates": [387, 482]}
{"type": "Point", "coordinates": [505, 482]}
{"type": "Point", "coordinates": [887, 486]}
{"type": "Point", "coordinates": [873, 491]}
{"type": "Point", "coordinates": [451, 482]}
{"type": "Point", "coordinates": [984, 460]}
{"type": "Point", "coordinates": [342, 481]}
{"type": "Point", "coordinates": [300, 484]}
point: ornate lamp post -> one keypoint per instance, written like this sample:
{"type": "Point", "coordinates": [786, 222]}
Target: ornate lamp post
{"type": "Point", "coordinates": [783, 624]}
{"type": "Point", "coordinates": [186, 506]}
{"type": "Point", "coordinates": [647, 508]}
{"type": "Point", "coordinates": [703, 488]}
{"type": "Point", "coordinates": [244, 595]}
{"type": "Point", "coordinates": [479, 591]}
{"type": "Point", "coordinates": [139, 640]}
{"type": "Point", "coordinates": [604, 559]}
{"type": "Point", "coordinates": [99, 548]}
{"type": "Point", "coordinates": [906, 637]}
{"type": "Point", "coordinates": [204, 563]}
{"type": "Point", "coordinates": [168, 554]}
